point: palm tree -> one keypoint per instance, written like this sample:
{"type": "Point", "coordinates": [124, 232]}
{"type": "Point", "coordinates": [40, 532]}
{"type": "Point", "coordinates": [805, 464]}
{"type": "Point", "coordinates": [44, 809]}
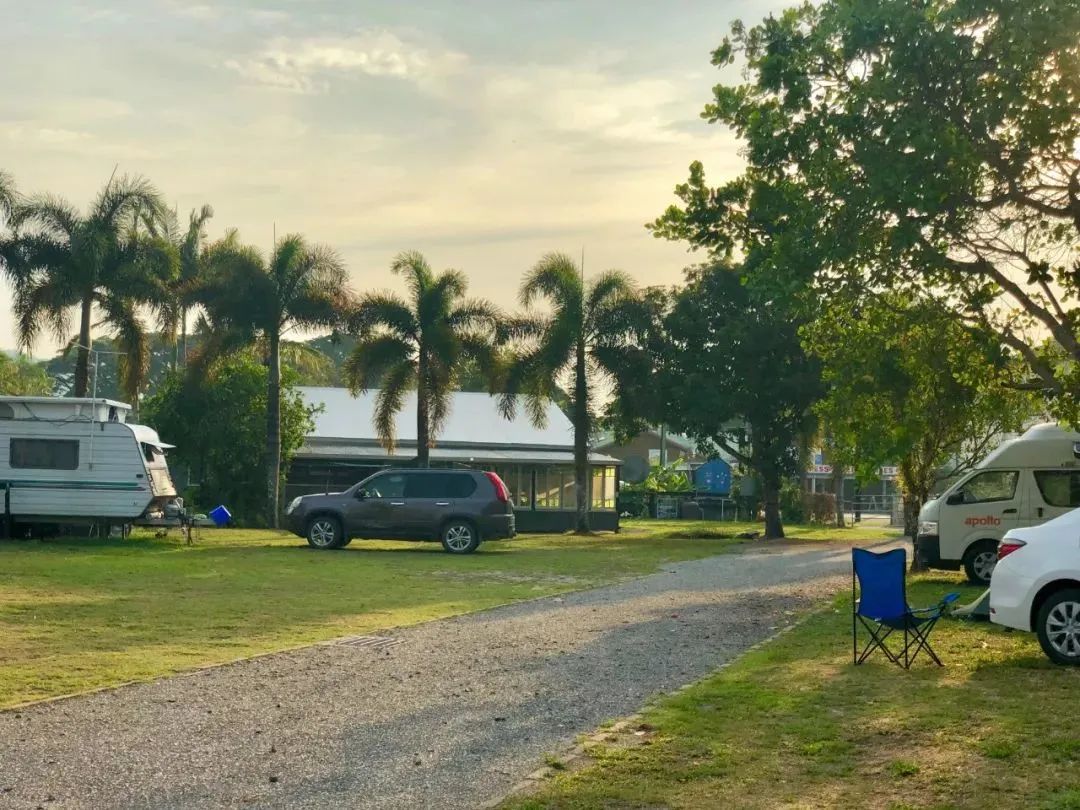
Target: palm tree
{"type": "Point", "coordinates": [191, 248]}
{"type": "Point", "coordinates": [7, 193]}
{"type": "Point", "coordinates": [250, 300]}
{"type": "Point", "coordinates": [62, 262]}
{"type": "Point", "coordinates": [587, 332]}
{"type": "Point", "coordinates": [421, 344]}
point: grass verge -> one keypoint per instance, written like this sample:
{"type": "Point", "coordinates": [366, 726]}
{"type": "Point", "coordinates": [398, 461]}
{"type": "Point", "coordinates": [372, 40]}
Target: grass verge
{"type": "Point", "coordinates": [80, 614]}
{"type": "Point", "coordinates": [794, 724]}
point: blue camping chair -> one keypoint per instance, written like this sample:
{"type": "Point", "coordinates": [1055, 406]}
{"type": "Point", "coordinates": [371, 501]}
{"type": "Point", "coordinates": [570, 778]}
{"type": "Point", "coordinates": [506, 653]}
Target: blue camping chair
{"type": "Point", "coordinates": [881, 607]}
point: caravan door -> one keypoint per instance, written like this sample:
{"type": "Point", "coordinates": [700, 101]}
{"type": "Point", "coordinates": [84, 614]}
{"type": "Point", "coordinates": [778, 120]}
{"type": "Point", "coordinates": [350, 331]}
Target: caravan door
{"type": "Point", "coordinates": [1054, 493]}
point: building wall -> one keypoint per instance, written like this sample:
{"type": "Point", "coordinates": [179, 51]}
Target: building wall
{"type": "Point", "coordinates": [635, 455]}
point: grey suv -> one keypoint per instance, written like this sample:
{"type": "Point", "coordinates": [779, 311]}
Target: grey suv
{"type": "Point", "coordinates": [458, 507]}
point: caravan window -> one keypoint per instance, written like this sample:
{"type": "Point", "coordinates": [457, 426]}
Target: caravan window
{"type": "Point", "coordinates": [1059, 487]}
{"type": "Point", "coordinates": [44, 454]}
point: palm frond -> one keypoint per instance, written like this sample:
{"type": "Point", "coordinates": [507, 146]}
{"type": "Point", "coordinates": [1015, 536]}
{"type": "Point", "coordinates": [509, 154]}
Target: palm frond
{"type": "Point", "coordinates": [389, 402]}
{"type": "Point", "coordinates": [8, 194]}
{"type": "Point", "coordinates": [386, 310]}
{"type": "Point", "coordinates": [122, 317]}
{"type": "Point", "coordinates": [54, 215]}
{"type": "Point", "coordinates": [375, 359]}
{"type": "Point", "coordinates": [415, 268]}
{"type": "Point", "coordinates": [125, 196]}
{"type": "Point", "coordinates": [608, 286]}
{"type": "Point", "coordinates": [475, 313]}
{"type": "Point", "coordinates": [555, 277]}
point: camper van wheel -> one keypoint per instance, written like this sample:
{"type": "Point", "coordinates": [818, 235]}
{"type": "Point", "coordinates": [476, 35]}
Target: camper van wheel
{"type": "Point", "coordinates": [324, 531]}
{"type": "Point", "coordinates": [979, 561]}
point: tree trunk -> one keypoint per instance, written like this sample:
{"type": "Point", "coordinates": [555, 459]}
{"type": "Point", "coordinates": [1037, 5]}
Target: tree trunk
{"type": "Point", "coordinates": [273, 430]}
{"type": "Point", "coordinates": [82, 357]}
{"type": "Point", "coordinates": [423, 415]}
{"type": "Point", "coordinates": [838, 492]}
{"type": "Point", "coordinates": [180, 358]}
{"type": "Point", "coordinates": [582, 427]}
{"type": "Point", "coordinates": [770, 489]}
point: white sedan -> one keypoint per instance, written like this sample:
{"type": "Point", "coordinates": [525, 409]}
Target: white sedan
{"type": "Point", "coordinates": [1036, 585]}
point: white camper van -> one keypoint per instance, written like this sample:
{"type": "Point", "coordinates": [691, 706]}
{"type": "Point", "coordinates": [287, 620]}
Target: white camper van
{"type": "Point", "coordinates": [78, 461]}
{"type": "Point", "coordinates": [1024, 482]}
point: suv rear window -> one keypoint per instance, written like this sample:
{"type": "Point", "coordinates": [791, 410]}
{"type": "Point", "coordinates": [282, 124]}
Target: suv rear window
{"type": "Point", "coordinates": [439, 485]}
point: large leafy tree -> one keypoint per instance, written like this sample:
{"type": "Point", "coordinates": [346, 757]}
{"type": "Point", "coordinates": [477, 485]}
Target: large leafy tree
{"type": "Point", "coordinates": [213, 456]}
{"type": "Point", "coordinates": [22, 377]}
{"type": "Point", "coordinates": [253, 300]}
{"type": "Point", "coordinates": [585, 337]}
{"type": "Point", "coordinates": [104, 262]}
{"type": "Point", "coordinates": [424, 344]}
{"type": "Point", "coordinates": [734, 375]}
{"type": "Point", "coordinates": [908, 384]}
{"type": "Point", "coordinates": [937, 143]}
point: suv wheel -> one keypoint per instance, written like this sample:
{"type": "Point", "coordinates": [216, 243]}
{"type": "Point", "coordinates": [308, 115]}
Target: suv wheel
{"type": "Point", "coordinates": [324, 531]}
{"type": "Point", "coordinates": [460, 537]}
{"type": "Point", "coordinates": [979, 562]}
{"type": "Point", "coordinates": [1058, 627]}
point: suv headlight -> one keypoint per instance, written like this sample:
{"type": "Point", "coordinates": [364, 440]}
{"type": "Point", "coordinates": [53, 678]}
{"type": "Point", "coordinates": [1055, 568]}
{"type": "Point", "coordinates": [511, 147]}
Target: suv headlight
{"type": "Point", "coordinates": [928, 527]}
{"type": "Point", "coordinates": [295, 502]}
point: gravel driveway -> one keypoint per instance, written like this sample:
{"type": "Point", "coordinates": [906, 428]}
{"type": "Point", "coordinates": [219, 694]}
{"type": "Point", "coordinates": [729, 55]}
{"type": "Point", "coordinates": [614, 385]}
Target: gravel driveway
{"type": "Point", "coordinates": [453, 715]}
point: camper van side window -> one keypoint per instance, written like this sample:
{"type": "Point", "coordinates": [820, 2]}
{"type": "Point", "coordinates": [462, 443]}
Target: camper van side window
{"type": "Point", "coordinates": [44, 454]}
{"type": "Point", "coordinates": [1059, 487]}
{"type": "Point", "coordinates": [992, 485]}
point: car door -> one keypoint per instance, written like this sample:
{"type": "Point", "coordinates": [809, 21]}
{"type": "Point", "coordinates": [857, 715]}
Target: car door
{"type": "Point", "coordinates": [376, 507]}
{"type": "Point", "coordinates": [428, 502]}
{"type": "Point", "coordinates": [1056, 492]}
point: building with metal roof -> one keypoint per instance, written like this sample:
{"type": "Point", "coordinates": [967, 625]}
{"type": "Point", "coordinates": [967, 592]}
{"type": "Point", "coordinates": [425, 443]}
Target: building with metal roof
{"type": "Point", "coordinates": [535, 462]}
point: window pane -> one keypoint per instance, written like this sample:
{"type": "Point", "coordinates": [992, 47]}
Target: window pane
{"type": "Point", "coordinates": [460, 485]}
{"type": "Point", "coordinates": [609, 487]}
{"type": "Point", "coordinates": [1059, 487]}
{"type": "Point", "coordinates": [597, 488]}
{"type": "Point", "coordinates": [995, 485]}
{"type": "Point", "coordinates": [387, 486]}
{"type": "Point", "coordinates": [569, 499]}
{"type": "Point", "coordinates": [44, 454]}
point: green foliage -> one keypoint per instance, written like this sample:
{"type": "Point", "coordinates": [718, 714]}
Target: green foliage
{"type": "Point", "coordinates": [935, 143]}
{"type": "Point", "coordinates": [909, 384]}
{"type": "Point", "coordinates": [219, 425]}
{"type": "Point", "coordinates": [423, 344]}
{"type": "Point", "coordinates": [22, 377]}
{"type": "Point", "coordinates": [730, 363]}
{"type": "Point", "coordinates": [791, 501]}
{"type": "Point", "coordinates": [662, 478]}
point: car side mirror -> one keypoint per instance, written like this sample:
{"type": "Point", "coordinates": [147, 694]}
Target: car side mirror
{"type": "Point", "coordinates": [955, 499]}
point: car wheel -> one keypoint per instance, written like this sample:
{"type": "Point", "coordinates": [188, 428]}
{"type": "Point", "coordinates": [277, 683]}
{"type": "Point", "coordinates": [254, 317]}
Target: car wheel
{"type": "Point", "coordinates": [1058, 627]}
{"type": "Point", "coordinates": [979, 562]}
{"type": "Point", "coordinates": [325, 532]}
{"type": "Point", "coordinates": [460, 537]}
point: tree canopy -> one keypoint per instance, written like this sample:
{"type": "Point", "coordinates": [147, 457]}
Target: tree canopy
{"type": "Point", "coordinates": [936, 144]}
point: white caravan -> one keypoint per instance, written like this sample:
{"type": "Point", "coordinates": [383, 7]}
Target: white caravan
{"type": "Point", "coordinates": [78, 461]}
{"type": "Point", "coordinates": [1024, 482]}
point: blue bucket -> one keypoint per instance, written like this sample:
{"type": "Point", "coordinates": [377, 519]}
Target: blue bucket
{"type": "Point", "coordinates": [221, 516]}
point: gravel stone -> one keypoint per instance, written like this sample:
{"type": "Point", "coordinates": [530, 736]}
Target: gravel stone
{"type": "Point", "coordinates": [452, 717]}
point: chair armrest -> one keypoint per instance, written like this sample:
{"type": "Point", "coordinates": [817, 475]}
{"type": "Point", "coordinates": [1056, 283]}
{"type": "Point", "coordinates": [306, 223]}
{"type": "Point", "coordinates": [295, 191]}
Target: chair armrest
{"type": "Point", "coordinates": [946, 600]}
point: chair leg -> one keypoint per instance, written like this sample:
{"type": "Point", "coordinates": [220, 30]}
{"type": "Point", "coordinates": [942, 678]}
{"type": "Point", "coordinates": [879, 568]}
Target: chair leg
{"type": "Point", "coordinates": [921, 642]}
{"type": "Point", "coordinates": [876, 641]}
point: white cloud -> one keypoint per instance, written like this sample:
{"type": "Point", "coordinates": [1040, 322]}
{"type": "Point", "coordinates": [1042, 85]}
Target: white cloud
{"type": "Point", "coordinates": [307, 65]}
{"type": "Point", "coordinates": [202, 12]}
{"type": "Point", "coordinates": [49, 136]}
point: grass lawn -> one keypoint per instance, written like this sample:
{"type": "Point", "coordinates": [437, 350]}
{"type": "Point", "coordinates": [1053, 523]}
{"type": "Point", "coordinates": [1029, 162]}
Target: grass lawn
{"type": "Point", "coordinates": [795, 725]}
{"type": "Point", "coordinates": [79, 614]}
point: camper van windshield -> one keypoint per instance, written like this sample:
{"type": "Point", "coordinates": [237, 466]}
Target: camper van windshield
{"type": "Point", "coordinates": [992, 485]}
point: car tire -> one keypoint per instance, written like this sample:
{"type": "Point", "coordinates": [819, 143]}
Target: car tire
{"type": "Point", "coordinates": [1058, 627]}
{"type": "Point", "coordinates": [325, 532]}
{"type": "Point", "coordinates": [459, 537]}
{"type": "Point", "coordinates": [979, 562]}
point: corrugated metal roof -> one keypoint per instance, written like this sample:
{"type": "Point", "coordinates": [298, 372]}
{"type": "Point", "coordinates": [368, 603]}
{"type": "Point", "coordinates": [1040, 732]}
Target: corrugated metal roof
{"type": "Point", "coordinates": [335, 451]}
{"type": "Point", "coordinates": [474, 419]}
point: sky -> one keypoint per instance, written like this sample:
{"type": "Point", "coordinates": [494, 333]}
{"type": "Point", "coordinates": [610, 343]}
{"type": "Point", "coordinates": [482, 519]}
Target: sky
{"type": "Point", "coordinates": [481, 132]}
